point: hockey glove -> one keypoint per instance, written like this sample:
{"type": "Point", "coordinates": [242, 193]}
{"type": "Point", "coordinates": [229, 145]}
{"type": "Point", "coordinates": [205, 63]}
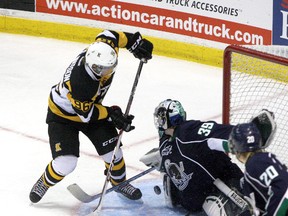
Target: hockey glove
{"type": "Point", "coordinates": [141, 48]}
{"type": "Point", "coordinates": [120, 121]}
{"type": "Point", "coordinates": [152, 158]}
{"type": "Point", "coordinates": [266, 125]}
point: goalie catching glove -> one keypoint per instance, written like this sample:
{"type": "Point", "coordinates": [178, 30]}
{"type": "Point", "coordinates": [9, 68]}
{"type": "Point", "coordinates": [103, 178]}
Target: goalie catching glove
{"type": "Point", "coordinates": [120, 121]}
{"type": "Point", "coordinates": [141, 48]}
{"type": "Point", "coordinates": [152, 159]}
{"type": "Point", "coordinates": [266, 125]}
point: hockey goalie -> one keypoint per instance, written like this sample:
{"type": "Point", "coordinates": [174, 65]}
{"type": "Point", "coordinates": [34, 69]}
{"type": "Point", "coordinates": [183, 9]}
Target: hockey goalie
{"type": "Point", "coordinates": [198, 174]}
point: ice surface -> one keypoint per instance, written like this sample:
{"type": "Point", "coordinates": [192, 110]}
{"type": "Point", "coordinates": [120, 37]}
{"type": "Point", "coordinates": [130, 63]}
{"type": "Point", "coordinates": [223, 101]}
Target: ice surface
{"type": "Point", "coordinates": [29, 66]}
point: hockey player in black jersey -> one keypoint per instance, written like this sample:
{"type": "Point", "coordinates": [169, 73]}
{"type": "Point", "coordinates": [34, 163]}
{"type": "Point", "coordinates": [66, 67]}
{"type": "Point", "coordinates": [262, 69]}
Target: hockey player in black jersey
{"type": "Point", "coordinates": [265, 178]}
{"type": "Point", "coordinates": [192, 156]}
{"type": "Point", "coordinates": [75, 105]}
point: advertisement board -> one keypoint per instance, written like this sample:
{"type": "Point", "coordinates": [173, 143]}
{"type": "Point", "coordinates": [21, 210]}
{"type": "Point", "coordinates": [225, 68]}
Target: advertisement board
{"type": "Point", "coordinates": [24, 5]}
{"type": "Point", "coordinates": [231, 10]}
{"type": "Point", "coordinates": [222, 23]}
{"type": "Point", "coordinates": [280, 22]}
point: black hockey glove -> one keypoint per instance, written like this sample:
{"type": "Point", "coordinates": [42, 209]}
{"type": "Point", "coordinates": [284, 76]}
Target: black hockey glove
{"type": "Point", "coordinates": [141, 48]}
{"type": "Point", "coordinates": [120, 121]}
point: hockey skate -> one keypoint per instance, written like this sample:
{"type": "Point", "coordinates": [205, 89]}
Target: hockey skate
{"type": "Point", "coordinates": [130, 192]}
{"type": "Point", "coordinates": [38, 190]}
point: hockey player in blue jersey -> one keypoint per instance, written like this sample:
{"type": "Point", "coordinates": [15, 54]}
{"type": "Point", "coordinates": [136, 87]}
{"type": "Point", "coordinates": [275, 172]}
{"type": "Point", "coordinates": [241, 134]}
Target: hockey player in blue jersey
{"type": "Point", "coordinates": [265, 177]}
{"type": "Point", "coordinates": [191, 155]}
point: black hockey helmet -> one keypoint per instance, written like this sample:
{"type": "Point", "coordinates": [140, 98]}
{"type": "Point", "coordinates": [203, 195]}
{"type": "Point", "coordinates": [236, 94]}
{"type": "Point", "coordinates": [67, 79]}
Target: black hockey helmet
{"type": "Point", "coordinates": [245, 137]}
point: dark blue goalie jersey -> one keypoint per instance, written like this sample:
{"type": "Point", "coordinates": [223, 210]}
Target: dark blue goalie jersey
{"type": "Point", "coordinates": [191, 163]}
{"type": "Point", "coordinates": [268, 179]}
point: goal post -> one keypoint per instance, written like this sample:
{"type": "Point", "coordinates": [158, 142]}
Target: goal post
{"type": "Point", "coordinates": [256, 78]}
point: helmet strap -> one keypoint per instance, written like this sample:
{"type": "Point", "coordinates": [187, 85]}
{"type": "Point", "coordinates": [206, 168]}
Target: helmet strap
{"type": "Point", "coordinates": [91, 73]}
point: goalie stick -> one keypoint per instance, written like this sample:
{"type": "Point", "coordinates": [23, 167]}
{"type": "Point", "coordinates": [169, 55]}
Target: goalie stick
{"type": "Point", "coordinates": [82, 196]}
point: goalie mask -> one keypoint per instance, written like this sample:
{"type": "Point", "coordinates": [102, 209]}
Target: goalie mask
{"type": "Point", "coordinates": [169, 113]}
{"type": "Point", "coordinates": [245, 138]}
{"type": "Point", "coordinates": [101, 59]}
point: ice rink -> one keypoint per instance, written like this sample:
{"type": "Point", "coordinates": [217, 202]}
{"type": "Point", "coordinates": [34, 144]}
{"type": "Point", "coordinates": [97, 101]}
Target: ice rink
{"type": "Point", "coordinates": [29, 66]}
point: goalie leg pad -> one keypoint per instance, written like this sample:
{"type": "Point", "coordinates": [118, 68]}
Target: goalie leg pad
{"type": "Point", "coordinates": [170, 192]}
{"type": "Point", "coordinates": [220, 205]}
{"type": "Point", "coordinates": [214, 206]}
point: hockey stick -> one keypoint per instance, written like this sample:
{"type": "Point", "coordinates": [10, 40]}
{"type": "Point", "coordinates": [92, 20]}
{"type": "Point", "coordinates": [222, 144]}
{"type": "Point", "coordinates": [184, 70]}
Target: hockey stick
{"type": "Point", "coordinates": [81, 195]}
{"type": "Point", "coordinates": [108, 175]}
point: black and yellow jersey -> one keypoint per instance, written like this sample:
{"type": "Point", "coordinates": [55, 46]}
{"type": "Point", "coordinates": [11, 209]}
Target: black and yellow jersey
{"type": "Point", "coordinates": [79, 94]}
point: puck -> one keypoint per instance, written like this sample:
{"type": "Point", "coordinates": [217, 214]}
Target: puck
{"type": "Point", "coordinates": [157, 190]}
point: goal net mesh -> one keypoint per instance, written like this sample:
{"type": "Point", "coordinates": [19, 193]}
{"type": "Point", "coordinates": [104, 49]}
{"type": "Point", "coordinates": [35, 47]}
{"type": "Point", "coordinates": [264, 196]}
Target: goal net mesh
{"type": "Point", "coordinates": [256, 78]}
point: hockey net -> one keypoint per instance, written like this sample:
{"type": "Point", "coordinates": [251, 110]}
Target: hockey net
{"type": "Point", "coordinates": [256, 78]}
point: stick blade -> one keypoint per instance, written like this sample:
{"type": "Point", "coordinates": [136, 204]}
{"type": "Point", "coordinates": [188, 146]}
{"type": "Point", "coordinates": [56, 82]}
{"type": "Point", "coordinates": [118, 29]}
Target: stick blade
{"type": "Point", "coordinates": [79, 194]}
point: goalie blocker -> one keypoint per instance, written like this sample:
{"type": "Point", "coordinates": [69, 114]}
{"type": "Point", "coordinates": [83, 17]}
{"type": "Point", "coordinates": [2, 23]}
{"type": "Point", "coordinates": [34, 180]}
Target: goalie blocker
{"type": "Point", "coordinates": [152, 159]}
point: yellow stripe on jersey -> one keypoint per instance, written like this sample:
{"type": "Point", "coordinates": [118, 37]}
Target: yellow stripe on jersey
{"type": "Point", "coordinates": [68, 84]}
{"type": "Point", "coordinates": [103, 113]}
{"type": "Point", "coordinates": [58, 112]}
{"type": "Point", "coordinates": [123, 40]}
{"type": "Point", "coordinates": [84, 106]}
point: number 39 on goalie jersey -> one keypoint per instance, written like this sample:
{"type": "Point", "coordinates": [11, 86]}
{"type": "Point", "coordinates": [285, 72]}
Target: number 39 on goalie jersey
{"type": "Point", "coordinates": [267, 178]}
